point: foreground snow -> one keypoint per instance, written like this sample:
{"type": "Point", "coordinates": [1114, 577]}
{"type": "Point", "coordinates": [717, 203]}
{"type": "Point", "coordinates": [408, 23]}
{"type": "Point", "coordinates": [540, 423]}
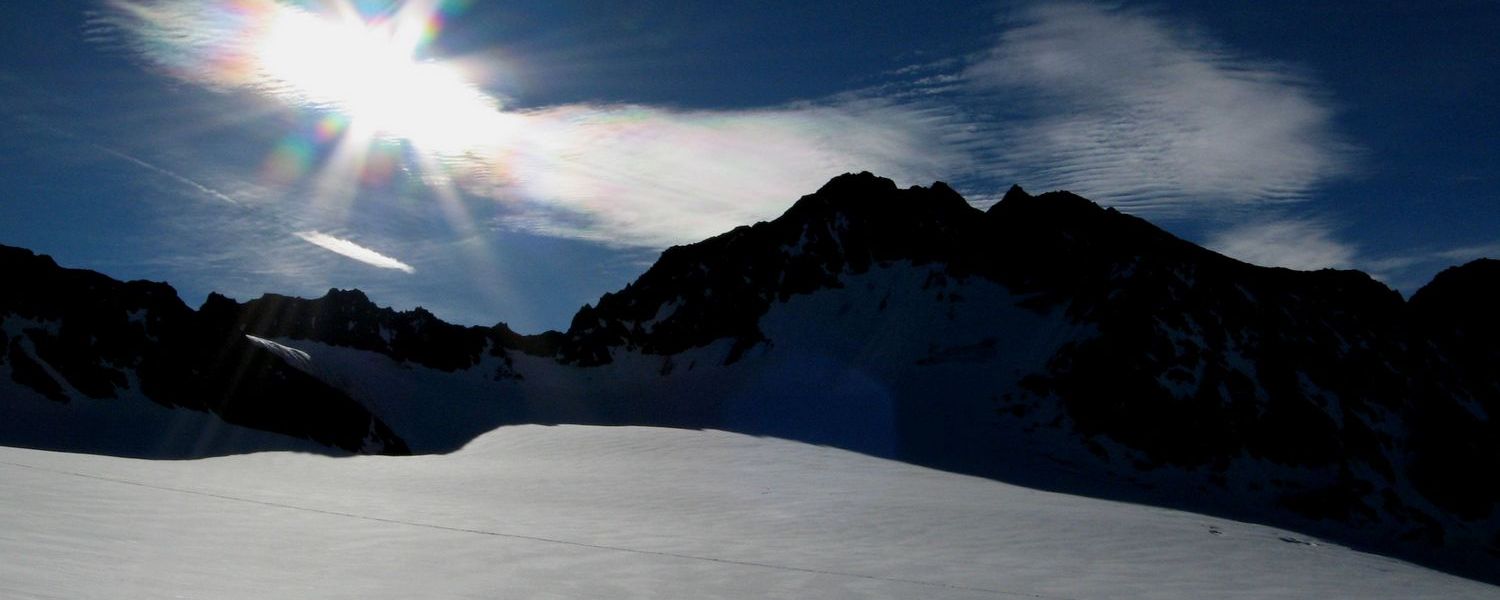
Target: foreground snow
{"type": "Point", "coordinates": [564, 512]}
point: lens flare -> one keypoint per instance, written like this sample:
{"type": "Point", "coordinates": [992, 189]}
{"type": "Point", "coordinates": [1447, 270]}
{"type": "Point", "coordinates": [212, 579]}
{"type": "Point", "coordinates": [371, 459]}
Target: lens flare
{"type": "Point", "coordinates": [330, 127]}
{"type": "Point", "coordinates": [290, 161]}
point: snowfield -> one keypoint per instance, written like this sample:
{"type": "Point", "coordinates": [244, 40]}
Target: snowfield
{"type": "Point", "coordinates": [597, 512]}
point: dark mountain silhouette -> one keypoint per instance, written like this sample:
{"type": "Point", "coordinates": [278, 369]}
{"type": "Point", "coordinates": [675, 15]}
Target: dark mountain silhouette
{"type": "Point", "coordinates": [1045, 340]}
{"type": "Point", "coordinates": [68, 329]}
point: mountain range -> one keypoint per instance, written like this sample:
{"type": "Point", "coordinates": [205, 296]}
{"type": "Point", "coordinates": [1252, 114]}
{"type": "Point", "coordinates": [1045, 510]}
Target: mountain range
{"type": "Point", "coordinates": [1046, 341]}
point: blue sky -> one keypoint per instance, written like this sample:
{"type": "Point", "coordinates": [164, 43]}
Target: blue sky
{"type": "Point", "coordinates": [516, 159]}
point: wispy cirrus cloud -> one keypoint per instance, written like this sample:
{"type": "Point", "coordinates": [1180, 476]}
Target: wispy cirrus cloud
{"type": "Point", "coordinates": [1295, 243]}
{"type": "Point", "coordinates": [1131, 109]}
{"type": "Point", "coordinates": [1304, 243]}
{"type": "Point", "coordinates": [637, 175]}
{"type": "Point", "coordinates": [1314, 243]}
{"type": "Point", "coordinates": [352, 250]}
{"type": "Point", "coordinates": [1121, 106]}
{"type": "Point", "coordinates": [173, 175]}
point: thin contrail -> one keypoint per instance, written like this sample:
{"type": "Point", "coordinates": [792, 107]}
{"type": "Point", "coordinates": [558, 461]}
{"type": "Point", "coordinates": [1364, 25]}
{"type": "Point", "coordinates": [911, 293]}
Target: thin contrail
{"type": "Point", "coordinates": [321, 240]}
{"type": "Point", "coordinates": [169, 173]}
{"type": "Point", "coordinates": [327, 242]}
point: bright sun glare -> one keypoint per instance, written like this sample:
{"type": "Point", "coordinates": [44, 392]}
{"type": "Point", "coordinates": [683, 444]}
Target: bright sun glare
{"type": "Point", "coordinates": [371, 74]}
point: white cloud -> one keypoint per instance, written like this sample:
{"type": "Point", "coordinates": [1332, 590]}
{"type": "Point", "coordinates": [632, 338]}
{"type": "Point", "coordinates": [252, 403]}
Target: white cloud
{"type": "Point", "coordinates": [636, 175]}
{"type": "Point", "coordinates": [1303, 244]}
{"type": "Point", "coordinates": [352, 250]}
{"type": "Point", "coordinates": [1132, 110]}
{"type": "Point", "coordinates": [1119, 106]}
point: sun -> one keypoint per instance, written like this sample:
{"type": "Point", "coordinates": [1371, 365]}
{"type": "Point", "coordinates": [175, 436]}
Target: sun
{"type": "Point", "coordinates": [370, 72]}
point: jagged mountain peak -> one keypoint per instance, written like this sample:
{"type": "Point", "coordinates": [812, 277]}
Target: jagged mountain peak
{"type": "Point", "coordinates": [1047, 206]}
{"type": "Point", "coordinates": [861, 182]}
{"type": "Point", "coordinates": [1017, 203]}
{"type": "Point", "coordinates": [866, 192]}
{"type": "Point", "coordinates": [350, 297]}
{"type": "Point", "coordinates": [869, 207]}
{"type": "Point", "coordinates": [718, 287]}
{"type": "Point", "coordinates": [1015, 194]}
{"type": "Point", "coordinates": [1474, 284]}
{"type": "Point", "coordinates": [1055, 244]}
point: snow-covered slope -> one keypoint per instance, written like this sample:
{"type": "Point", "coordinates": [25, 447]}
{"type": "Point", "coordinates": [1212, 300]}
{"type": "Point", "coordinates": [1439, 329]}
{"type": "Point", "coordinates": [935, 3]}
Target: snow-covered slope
{"type": "Point", "coordinates": [590, 512]}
